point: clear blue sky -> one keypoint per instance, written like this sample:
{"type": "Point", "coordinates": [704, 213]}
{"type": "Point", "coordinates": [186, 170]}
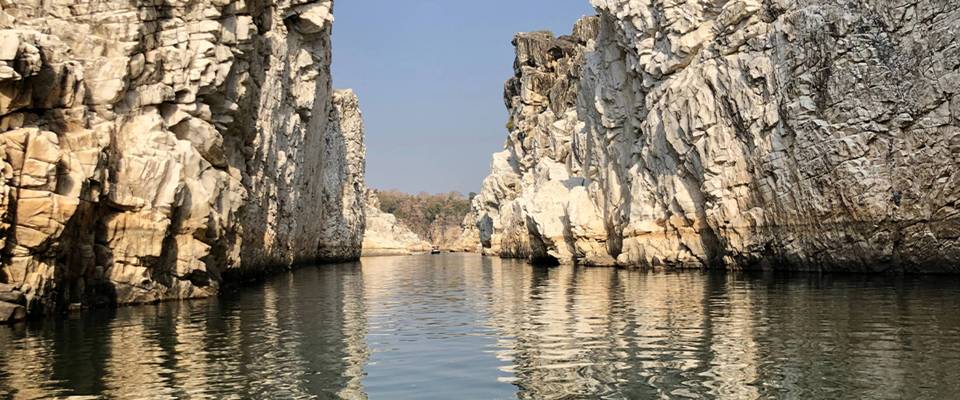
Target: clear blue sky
{"type": "Point", "coordinates": [430, 77]}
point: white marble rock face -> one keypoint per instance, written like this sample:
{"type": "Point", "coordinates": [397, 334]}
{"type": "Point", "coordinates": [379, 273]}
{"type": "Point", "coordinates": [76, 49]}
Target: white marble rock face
{"type": "Point", "coordinates": [386, 236]}
{"type": "Point", "coordinates": [151, 150]}
{"type": "Point", "coordinates": [792, 134]}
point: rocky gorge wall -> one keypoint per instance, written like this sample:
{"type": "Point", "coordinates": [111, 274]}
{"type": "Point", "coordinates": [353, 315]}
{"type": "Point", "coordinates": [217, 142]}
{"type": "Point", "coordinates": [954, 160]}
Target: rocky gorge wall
{"type": "Point", "coordinates": [388, 234]}
{"type": "Point", "coordinates": [385, 235]}
{"type": "Point", "coordinates": [436, 218]}
{"type": "Point", "coordinates": [153, 149]}
{"type": "Point", "coordinates": [787, 134]}
{"type": "Point", "coordinates": [526, 205]}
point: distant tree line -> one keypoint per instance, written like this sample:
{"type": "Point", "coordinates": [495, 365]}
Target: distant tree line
{"type": "Point", "coordinates": [435, 217]}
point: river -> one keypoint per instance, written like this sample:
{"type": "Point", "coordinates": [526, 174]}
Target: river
{"type": "Point", "coordinates": [459, 326]}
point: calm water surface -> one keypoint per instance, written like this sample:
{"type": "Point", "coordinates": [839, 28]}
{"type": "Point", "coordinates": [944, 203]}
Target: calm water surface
{"type": "Point", "coordinates": [463, 327]}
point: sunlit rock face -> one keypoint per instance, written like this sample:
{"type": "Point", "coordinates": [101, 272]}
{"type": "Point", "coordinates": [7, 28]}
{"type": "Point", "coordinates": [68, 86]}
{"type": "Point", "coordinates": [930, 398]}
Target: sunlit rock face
{"type": "Point", "coordinates": [807, 135]}
{"type": "Point", "coordinates": [149, 149]}
{"type": "Point", "coordinates": [526, 205]}
{"type": "Point", "coordinates": [385, 235]}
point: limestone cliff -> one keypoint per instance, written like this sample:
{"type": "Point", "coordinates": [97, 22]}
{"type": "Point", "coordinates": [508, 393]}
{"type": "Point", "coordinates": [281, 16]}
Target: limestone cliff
{"type": "Point", "coordinates": [152, 149]}
{"type": "Point", "coordinates": [526, 205]}
{"type": "Point", "coordinates": [794, 134]}
{"type": "Point", "coordinates": [385, 235]}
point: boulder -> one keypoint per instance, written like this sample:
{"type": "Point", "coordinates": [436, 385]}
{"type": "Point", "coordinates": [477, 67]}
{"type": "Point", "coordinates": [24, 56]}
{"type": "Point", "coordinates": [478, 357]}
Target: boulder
{"type": "Point", "coordinates": [13, 296]}
{"type": "Point", "coordinates": [11, 312]}
{"type": "Point", "coordinates": [9, 45]}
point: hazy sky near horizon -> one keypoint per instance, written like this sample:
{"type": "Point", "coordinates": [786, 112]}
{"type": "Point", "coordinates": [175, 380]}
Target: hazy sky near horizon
{"type": "Point", "coordinates": [430, 75]}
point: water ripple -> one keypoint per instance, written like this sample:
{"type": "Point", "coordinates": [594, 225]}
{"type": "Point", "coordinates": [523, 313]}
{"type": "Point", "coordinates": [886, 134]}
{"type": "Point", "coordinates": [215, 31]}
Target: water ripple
{"type": "Point", "coordinates": [455, 326]}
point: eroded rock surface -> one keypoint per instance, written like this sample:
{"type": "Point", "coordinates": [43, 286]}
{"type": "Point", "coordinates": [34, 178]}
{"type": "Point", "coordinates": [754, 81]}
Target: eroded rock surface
{"type": "Point", "coordinates": [526, 205]}
{"type": "Point", "coordinates": [12, 303]}
{"type": "Point", "coordinates": [807, 134]}
{"type": "Point", "coordinates": [385, 235]}
{"type": "Point", "coordinates": [150, 150]}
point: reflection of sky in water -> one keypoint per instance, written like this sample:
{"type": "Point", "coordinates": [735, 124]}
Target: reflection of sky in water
{"type": "Point", "coordinates": [455, 326]}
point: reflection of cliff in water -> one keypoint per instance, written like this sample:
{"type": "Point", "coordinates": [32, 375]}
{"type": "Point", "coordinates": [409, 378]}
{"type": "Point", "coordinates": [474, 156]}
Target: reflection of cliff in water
{"type": "Point", "coordinates": [462, 326]}
{"type": "Point", "coordinates": [289, 338]}
{"type": "Point", "coordinates": [569, 331]}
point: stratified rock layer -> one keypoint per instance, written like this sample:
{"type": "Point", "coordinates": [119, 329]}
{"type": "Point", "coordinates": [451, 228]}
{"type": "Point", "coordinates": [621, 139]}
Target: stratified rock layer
{"type": "Point", "coordinates": [385, 235]}
{"type": "Point", "coordinates": [149, 149]}
{"type": "Point", "coordinates": [815, 135]}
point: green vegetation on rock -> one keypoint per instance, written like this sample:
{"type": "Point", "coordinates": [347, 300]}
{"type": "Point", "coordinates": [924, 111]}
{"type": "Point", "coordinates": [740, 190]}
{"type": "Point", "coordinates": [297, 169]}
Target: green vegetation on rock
{"type": "Point", "coordinates": [434, 217]}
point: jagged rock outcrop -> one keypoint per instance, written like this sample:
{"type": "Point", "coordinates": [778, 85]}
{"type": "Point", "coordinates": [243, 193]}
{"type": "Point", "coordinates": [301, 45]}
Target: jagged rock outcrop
{"type": "Point", "coordinates": [385, 235]}
{"type": "Point", "coordinates": [526, 205]}
{"type": "Point", "coordinates": [150, 150]}
{"type": "Point", "coordinates": [794, 134]}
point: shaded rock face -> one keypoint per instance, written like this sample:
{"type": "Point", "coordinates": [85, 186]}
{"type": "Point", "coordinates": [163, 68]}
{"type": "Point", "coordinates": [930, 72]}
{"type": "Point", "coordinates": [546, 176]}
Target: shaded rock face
{"type": "Point", "coordinates": [806, 135]}
{"type": "Point", "coordinates": [12, 303]}
{"type": "Point", "coordinates": [385, 235]}
{"type": "Point", "coordinates": [151, 150]}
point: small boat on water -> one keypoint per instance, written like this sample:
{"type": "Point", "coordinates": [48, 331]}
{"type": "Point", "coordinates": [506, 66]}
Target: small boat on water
{"type": "Point", "coordinates": [435, 250]}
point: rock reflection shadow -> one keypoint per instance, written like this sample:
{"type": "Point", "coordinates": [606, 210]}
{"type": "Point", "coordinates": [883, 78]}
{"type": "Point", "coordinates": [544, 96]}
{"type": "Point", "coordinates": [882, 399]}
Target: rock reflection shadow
{"type": "Point", "coordinates": [294, 337]}
{"type": "Point", "coordinates": [573, 332]}
{"type": "Point", "coordinates": [461, 326]}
